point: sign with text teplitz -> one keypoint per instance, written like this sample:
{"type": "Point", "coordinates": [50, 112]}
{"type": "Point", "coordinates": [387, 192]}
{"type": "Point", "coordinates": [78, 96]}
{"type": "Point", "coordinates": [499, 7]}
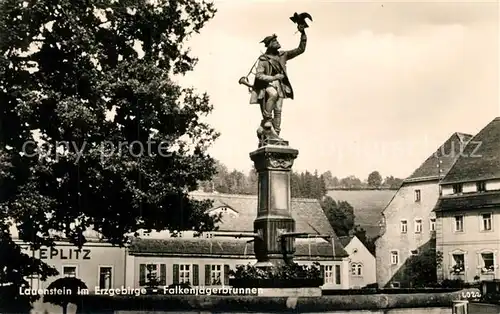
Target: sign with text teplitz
{"type": "Point", "coordinates": [62, 253]}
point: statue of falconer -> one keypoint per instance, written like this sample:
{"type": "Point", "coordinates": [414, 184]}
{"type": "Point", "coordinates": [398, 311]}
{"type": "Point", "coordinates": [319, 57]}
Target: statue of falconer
{"type": "Point", "coordinates": [272, 84]}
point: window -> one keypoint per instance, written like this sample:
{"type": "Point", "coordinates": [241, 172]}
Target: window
{"type": "Point", "coordinates": [152, 273]}
{"type": "Point", "coordinates": [394, 257]}
{"type": "Point", "coordinates": [146, 233]}
{"type": "Point", "coordinates": [356, 269]}
{"type": "Point", "coordinates": [329, 274]}
{"type": "Point", "coordinates": [337, 274]}
{"type": "Point", "coordinates": [432, 224]}
{"type": "Point", "coordinates": [395, 284]}
{"type": "Point", "coordinates": [414, 252]}
{"type": "Point", "coordinates": [184, 273]}
{"type": "Point", "coordinates": [105, 277]}
{"type": "Point", "coordinates": [404, 226]}
{"type": "Point", "coordinates": [488, 260]}
{"type": "Point", "coordinates": [418, 225]}
{"type": "Point", "coordinates": [69, 271]}
{"type": "Point", "coordinates": [459, 223]}
{"type": "Point", "coordinates": [417, 195]}
{"type": "Point", "coordinates": [34, 282]}
{"type": "Point", "coordinates": [209, 235]}
{"type": "Point", "coordinates": [481, 186]}
{"type": "Point", "coordinates": [486, 222]}
{"type": "Point", "coordinates": [216, 275]}
{"type": "Point", "coordinates": [457, 188]}
{"type": "Point", "coordinates": [458, 263]}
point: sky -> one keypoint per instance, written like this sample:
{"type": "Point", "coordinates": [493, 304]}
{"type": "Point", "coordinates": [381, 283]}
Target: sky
{"type": "Point", "coordinates": [380, 86]}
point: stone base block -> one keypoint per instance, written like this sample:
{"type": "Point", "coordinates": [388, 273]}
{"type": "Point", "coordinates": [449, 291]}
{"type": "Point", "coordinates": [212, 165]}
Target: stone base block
{"type": "Point", "coordinates": [289, 292]}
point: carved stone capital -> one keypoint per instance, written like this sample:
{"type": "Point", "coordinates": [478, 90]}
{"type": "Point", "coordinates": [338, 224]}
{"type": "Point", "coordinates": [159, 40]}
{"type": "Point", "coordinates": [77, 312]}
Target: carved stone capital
{"type": "Point", "coordinates": [274, 158]}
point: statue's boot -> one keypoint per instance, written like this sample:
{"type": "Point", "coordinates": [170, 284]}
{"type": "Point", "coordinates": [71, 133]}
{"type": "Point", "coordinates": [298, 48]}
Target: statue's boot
{"type": "Point", "coordinates": [268, 130]}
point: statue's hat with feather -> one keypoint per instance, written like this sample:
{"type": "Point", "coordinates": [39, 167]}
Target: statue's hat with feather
{"type": "Point", "coordinates": [269, 39]}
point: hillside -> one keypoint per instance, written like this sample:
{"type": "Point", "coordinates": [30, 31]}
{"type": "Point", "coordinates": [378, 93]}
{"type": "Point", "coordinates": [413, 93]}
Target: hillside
{"type": "Point", "coordinates": [368, 206]}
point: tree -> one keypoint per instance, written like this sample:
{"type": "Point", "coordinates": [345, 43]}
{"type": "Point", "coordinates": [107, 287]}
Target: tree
{"type": "Point", "coordinates": [340, 215]}
{"type": "Point", "coordinates": [374, 179]}
{"type": "Point", "coordinates": [328, 178]}
{"type": "Point", "coordinates": [295, 185]}
{"type": "Point", "coordinates": [64, 67]}
{"type": "Point", "coordinates": [369, 243]}
{"type": "Point", "coordinates": [351, 182]}
{"type": "Point", "coordinates": [253, 182]}
{"type": "Point", "coordinates": [393, 183]}
{"type": "Point", "coordinates": [220, 181]}
{"type": "Point", "coordinates": [422, 268]}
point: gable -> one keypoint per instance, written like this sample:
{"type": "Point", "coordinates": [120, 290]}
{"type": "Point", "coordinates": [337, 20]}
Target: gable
{"type": "Point", "coordinates": [358, 252]}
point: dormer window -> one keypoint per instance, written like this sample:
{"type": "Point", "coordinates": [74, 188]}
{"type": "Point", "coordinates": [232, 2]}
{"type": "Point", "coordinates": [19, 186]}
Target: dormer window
{"type": "Point", "coordinates": [457, 188]}
{"type": "Point", "coordinates": [481, 186]}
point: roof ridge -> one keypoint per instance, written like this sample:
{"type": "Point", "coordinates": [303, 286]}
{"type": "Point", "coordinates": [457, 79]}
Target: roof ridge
{"type": "Point", "coordinates": [487, 135]}
{"type": "Point", "coordinates": [462, 136]}
{"type": "Point", "coordinates": [247, 196]}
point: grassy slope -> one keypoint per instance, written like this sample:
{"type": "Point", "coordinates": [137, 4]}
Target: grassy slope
{"type": "Point", "coordinates": [368, 206]}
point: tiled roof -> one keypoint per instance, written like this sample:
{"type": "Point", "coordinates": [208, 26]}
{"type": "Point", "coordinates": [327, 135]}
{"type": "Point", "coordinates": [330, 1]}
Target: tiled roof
{"type": "Point", "coordinates": [224, 247]}
{"type": "Point", "coordinates": [345, 240]}
{"type": "Point", "coordinates": [468, 202]}
{"type": "Point", "coordinates": [480, 159]}
{"type": "Point", "coordinates": [308, 214]}
{"type": "Point", "coordinates": [445, 156]}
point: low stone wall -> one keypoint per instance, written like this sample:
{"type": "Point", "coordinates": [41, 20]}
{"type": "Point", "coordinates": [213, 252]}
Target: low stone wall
{"type": "Point", "coordinates": [239, 304]}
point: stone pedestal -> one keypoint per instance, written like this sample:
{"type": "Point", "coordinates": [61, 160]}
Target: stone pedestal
{"type": "Point", "coordinates": [274, 164]}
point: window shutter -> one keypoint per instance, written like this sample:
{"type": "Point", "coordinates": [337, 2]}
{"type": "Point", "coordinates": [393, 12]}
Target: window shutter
{"type": "Point", "coordinates": [196, 273]}
{"type": "Point", "coordinates": [142, 274]}
{"type": "Point", "coordinates": [208, 275]}
{"type": "Point", "coordinates": [175, 273]}
{"type": "Point", "coordinates": [337, 274]}
{"type": "Point", "coordinates": [322, 271]}
{"type": "Point", "coordinates": [163, 274]}
{"type": "Point", "coordinates": [226, 275]}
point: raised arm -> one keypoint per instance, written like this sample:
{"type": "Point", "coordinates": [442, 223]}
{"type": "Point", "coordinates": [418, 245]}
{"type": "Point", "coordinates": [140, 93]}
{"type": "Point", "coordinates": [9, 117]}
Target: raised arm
{"type": "Point", "coordinates": [290, 54]}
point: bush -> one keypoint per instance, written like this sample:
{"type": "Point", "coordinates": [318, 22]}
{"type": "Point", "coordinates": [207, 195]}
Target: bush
{"type": "Point", "coordinates": [422, 268]}
{"type": "Point", "coordinates": [288, 271]}
{"type": "Point", "coordinates": [291, 275]}
{"type": "Point", "coordinates": [458, 284]}
{"type": "Point", "coordinates": [491, 297]}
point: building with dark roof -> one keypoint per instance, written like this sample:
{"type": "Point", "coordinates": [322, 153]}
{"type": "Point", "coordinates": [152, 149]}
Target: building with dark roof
{"type": "Point", "coordinates": [408, 221]}
{"type": "Point", "coordinates": [201, 261]}
{"type": "Point", "coordinates": [468, 211]}
{"type": "Point", "coordinates": [361, 262]}
{"type": "Point", "coordinates": [206, 260]}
